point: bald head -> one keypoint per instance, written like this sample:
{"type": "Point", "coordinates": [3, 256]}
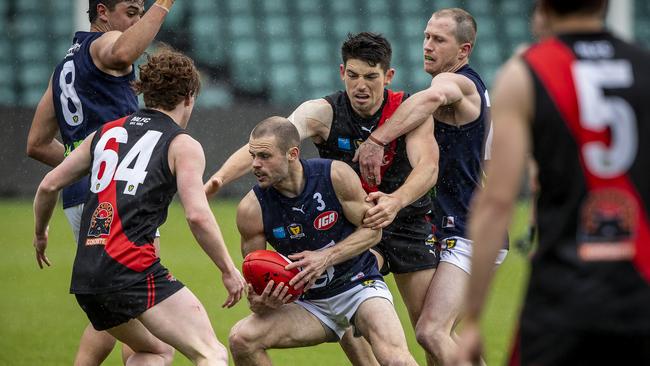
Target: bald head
{"type": "Point", "coordinates": [465, 24]}
{"type": "Point", "coordinates": [285, 133]}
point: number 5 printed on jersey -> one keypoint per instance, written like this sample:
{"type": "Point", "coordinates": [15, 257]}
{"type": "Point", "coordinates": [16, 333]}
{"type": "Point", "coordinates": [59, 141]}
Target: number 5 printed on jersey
{"type": "Point", "coordinates": [108, 158]}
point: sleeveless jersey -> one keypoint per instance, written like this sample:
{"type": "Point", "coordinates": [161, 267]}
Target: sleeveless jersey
{"type": "Point", "coordinates": [590, 127]}
{"type": "Point", "coordinates": [131, 187]}
{"type": "Point", "coordinates": [84, 99]}
{"type": "Point", "coordinates": [462, 153]}
{"type": "Point", "coordinates": [314, 220]}
{"type": "Point", "coordinates": [349, 130]}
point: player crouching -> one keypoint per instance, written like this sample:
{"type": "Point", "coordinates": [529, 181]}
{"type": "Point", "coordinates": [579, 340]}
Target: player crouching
{"type": "Point", "coordinates": [343, 285]}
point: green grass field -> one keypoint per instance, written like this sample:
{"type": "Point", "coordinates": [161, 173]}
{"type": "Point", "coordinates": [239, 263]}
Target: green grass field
{"type": "Point", "coordinates": [40, 323]}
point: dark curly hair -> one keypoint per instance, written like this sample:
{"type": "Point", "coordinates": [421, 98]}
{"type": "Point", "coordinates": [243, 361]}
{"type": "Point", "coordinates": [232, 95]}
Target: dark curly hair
{"type": "Point", "coordinates": [372, 48]}
{"type": "Point", "coordinates": [167, 78]}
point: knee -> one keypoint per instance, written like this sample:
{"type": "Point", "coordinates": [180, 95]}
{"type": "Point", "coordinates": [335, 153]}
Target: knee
{"type": "Point", "coordinates": [401, 358]}
{"type": "Point", "coordinates": [428, 336]}
{"type": "Point", "coordinates": [243, 340]}
{"type": "Point", "coordinates": [167, 354]}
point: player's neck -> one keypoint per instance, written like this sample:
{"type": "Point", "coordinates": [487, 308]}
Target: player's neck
{"type": "Point", "coordinates": [576, 24]}
{"type": "Point", "coordinates": [175, 114]}
{"type": "Point", "coordinates": [292, 185]}
{"type": "Point", "coordinates": [95, 27]}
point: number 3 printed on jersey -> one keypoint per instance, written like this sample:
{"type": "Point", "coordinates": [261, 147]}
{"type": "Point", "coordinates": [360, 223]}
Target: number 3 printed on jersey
{"type": "Point", "coordinates": [141, 152]}
{"type": "Point", "coordinates": [599, 111]}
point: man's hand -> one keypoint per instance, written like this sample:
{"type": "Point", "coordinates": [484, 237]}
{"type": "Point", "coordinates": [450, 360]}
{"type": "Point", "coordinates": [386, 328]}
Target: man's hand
{"type": "Point", "coordinates": [370, 157]}
{"type": "Point", "coordinates": [270, 299]}
{"type": "Point", "coordinates": [470, 346]}
{"type": "Point", "coordinates": [384, 212]}
{"type": "Point", "coordinates": [235, 285]}
{"type": "Point", "coordinates": [313, 264]}
{"type": "Point", "coordinates": [212, 186]}
{"type": "Point", "coordinates": [40, 243]}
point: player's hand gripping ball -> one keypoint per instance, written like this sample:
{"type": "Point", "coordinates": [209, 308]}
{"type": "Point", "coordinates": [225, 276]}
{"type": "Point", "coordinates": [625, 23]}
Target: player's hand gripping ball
{"type": "Point", "coordinates": [262, 266]}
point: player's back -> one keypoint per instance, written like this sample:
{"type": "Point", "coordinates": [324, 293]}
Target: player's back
{"type": "Point", "coordinates": [591, 121]}
{"type": "Point", "coordinates": [130, 191]}
{"type": "Point", "coordinates": [84, 99]}
{"type": "Point", "coordinates": [314, 220]}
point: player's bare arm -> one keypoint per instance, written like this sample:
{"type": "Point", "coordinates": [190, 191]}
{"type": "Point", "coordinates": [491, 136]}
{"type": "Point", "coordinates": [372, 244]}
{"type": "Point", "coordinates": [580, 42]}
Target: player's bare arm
{"type": "Point", "coordinates": [251, 229]}
{"type": "Point", "coordinates": [187, 162]}
{"type": "Point", "coordinates": [447, 89]}
{"type": "Point", "coordinates": [313, 119]}
{"type": "Point", "coordinates": [250, 224]}
{"type": "Point", "coordinates": [350, 193]}
{"type": "Point", "coordinates": [493, 206]}
{"type": "Point", "coordinates": [41, 142]}
{"type": "Point", "coordinates": [115, 52]}
{"type": "Point", "coordinates": [422, 151]}
{"type": "Point", "coordinates": [70, 170]}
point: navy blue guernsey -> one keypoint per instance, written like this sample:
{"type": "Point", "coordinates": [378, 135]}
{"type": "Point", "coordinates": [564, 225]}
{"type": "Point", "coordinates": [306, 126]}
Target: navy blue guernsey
{"type": "Point", "coordinates": [314, 220]}
{"type": "Point", "coordinates": [462, 153]}
{"type": "Point", "coordinates": [84, 99]}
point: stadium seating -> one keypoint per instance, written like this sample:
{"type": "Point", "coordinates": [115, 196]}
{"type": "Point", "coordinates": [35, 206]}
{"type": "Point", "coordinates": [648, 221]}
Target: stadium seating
{"type": "Point", "coordinates": [283, 50]}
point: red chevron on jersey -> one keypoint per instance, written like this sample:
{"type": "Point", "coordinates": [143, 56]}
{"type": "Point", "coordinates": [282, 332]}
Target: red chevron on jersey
{"type": "Point", "coordinates": [556, 73]}
{"type": "Point", "coordinates": [118, 246]}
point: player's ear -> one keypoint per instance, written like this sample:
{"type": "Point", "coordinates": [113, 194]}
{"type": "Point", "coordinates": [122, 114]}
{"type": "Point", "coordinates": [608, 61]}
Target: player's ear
{"type": "Point", "coordinates": [465, 50]}
{"type": "Point", "coordinates": [342, 71]}
{"type": "Point", "coordinates": [102, 12]}
{"type": "Point", "coordinates": [294, 153]}
{"type": "Point", "coordinates": [390, 73]}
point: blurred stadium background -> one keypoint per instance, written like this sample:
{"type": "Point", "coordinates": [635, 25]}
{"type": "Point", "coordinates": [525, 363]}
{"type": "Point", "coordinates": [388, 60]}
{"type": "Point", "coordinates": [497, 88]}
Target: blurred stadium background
{"type": "Point", "coordinates": [258, 58]}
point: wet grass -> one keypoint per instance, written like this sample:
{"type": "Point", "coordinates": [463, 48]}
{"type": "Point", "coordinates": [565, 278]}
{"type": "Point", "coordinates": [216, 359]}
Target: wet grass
{"type": "Point", "coordinates": [40, 323]}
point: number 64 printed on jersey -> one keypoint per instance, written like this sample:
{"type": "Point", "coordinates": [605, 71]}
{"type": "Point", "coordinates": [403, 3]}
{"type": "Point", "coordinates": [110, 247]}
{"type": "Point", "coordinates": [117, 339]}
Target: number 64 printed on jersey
{"type": "Point", "coordinates": [105, 163]}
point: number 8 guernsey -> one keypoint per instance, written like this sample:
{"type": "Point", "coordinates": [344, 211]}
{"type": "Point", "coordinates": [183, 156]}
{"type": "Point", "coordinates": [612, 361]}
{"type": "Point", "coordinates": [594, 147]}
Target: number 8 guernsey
{"type": "Point", "coordinates": [84, 99]}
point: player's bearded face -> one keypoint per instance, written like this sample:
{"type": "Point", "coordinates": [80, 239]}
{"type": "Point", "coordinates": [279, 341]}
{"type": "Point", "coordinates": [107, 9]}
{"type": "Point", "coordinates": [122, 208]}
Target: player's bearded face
{"type": "Point", "coordinates": [270, 165]}
{"type": "Point", "coordinates": [364, 85]}
{"type": "Point", "coordinates": [441, 49]}
{"type": "Point", "coordinates": [125, 14]}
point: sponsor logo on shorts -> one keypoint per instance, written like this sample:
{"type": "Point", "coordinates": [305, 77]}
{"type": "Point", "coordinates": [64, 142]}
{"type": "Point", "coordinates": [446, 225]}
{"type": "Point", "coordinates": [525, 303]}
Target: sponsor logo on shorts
{"type": "Point", "coordinates": [368, 283]}
{"type": "Point", "coordinates": [326, 220]}
{"type": "Point", "coordinates": [357, 143]}
{"type": "Point", "coordinates": [295, 231]}
{"type": "Point", "coordinates": [430, 240]}
{"type": "Point", "coordinates": [279, 233]}
{"type": "Point", "coordinates": [100, 224]}
{"type": "Point", "coordinates": [170, 277]}
{"type": "Point", "coordinates": [450, 243]}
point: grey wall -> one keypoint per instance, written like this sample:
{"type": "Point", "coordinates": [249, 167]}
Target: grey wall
{"type": "Point", "coordinates": [220, 131]}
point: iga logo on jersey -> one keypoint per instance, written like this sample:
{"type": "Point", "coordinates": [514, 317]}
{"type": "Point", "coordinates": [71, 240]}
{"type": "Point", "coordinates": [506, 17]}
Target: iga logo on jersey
{"type": "Point", "coordinates": [326, 220]}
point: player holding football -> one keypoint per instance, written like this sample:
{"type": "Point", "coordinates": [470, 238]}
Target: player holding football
{"type": "Point", "coordinates": [90, 87]}
{"type": "Point", "coordinates": [311, 211]}
{"type": "Point", "coordinates": [578, 101]}
{"type": "Point", "coordinates": [336, 124]}
{"type": "Point", "coordinates": [136, 165]}
{"type": "Point", "coordinates": [459, 103]}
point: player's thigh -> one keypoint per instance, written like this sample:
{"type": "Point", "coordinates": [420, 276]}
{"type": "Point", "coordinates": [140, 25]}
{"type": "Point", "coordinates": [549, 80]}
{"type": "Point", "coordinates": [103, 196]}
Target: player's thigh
{"type": "Point", "coordinates": [134, 334]}
{"type": "Point", "coordinates": [445, 297]}
{"type": "Point", "coordinates": [410, 287]}
{"type": "Point", "coordinates": [286, 327]}
{"type": "Point", "coordinates": [181, 321]}
{"type": "Point", "coordinates": [377, 320]}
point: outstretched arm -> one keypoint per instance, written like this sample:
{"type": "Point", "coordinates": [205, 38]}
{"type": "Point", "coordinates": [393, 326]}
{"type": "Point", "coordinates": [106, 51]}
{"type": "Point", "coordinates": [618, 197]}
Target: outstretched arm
{"type": "Point", "coordinates": [312, 118]}
{"type": "Point", "coordinates": [351, 195]}
{"type": "Point", "coordinates": [41, 142]}
{"type": "Point", "coordinates": [422, 151]}
{"type": "Point", "coordinates": [70, 170]}
{"type": "Point", "coordinates": [116, 50]}
{"type": "Point", "coordinates": [492, 207]}
{"type": "Point", "coordinates": [187, 162]}
{"type": "Point", "coordinates": [445, 89]}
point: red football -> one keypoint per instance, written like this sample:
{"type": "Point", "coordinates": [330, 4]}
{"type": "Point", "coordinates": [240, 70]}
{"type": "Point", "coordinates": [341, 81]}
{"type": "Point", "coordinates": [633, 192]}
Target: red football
{"type": "Point", "coordinates": [261, 266]}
